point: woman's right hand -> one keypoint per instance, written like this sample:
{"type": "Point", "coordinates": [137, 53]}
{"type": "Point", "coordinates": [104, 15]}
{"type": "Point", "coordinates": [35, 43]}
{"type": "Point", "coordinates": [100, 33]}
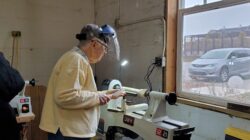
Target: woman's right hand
{"type": "Point", "coordinates": [104, 99]}
{"type": "Point", "coordinates": [115, 93]}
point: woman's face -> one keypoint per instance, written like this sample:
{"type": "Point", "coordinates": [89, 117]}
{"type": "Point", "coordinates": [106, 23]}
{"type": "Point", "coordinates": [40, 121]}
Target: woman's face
{"type": "Point", "coordinates": [97, 51]}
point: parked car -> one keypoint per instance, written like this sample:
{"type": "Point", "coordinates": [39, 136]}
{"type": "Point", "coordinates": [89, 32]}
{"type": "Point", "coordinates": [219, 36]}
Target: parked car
{"type": "Point", "coordinates": [220, 64]}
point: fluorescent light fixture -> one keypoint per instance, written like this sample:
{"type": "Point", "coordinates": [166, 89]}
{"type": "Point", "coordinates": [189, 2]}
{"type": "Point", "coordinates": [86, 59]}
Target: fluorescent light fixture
{"type": "Point", "coordinates": [124, 63]}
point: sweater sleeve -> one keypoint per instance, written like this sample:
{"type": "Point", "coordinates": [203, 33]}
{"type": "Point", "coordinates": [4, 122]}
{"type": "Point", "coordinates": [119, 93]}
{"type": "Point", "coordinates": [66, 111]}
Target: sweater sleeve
{"type": "Point", "coordinates": [11, 82]}
{"type": "Point", "coordinates": [69, 90]}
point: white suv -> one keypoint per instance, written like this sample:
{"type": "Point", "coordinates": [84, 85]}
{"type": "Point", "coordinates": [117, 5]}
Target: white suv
{"type": "Point", "coordinates": [220, 64]}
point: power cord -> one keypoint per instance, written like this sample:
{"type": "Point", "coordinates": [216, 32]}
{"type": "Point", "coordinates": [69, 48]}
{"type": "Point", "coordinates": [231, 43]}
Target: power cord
{"type": "Point", "coordinates": [147, 76]}
{"type": "Point", "coordinates": [158, 62]}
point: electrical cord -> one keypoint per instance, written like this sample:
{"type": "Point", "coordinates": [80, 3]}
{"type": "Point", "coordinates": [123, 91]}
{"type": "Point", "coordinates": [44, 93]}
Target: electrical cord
{"type": "Point", "coordinates": [13, 51]}
{"type": "Point", "coordinates": [147, 79]}
{"type": "Point", "coordinates": [147, 76]}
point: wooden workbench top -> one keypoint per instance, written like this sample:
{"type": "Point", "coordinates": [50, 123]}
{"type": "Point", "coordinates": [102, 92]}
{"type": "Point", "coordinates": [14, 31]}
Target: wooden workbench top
{"type": "Point", "coordinates": [26, 118]}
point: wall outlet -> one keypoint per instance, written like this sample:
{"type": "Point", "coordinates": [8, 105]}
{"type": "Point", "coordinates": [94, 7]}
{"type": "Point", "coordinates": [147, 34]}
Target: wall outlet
{"type": "Point", "coordinates": [163, 61]}
{"type": "Point", "coordinates": [160, 61]}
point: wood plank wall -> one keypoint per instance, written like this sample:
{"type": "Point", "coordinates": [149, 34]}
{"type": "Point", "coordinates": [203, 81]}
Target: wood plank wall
{"type": "Point", "coordinates": [37, 94]}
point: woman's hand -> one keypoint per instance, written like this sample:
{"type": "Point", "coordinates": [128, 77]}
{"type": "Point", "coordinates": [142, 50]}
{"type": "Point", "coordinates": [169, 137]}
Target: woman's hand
{"type": "Point", "coordinates": [115, 93]}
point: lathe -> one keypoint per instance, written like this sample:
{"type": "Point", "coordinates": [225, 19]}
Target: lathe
{"type": "Point", "coordinates": [141, 121]}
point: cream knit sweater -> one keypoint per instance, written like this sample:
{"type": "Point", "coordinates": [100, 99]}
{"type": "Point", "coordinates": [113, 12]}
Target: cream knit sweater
{"type": "Point", "coordinates": [71, 103]}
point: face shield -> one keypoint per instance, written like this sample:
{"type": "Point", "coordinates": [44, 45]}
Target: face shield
{"type": "Point", "coordinates": [106, 34]}
{"type": "Point", "coordinates": [109, 36]}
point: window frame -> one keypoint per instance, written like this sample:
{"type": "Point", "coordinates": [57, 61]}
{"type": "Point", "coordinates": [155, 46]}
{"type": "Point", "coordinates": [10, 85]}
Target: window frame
{"type": "Point", "coordinates": [205, 2]}
{"type": "Point", "coordinates": [181, 14]}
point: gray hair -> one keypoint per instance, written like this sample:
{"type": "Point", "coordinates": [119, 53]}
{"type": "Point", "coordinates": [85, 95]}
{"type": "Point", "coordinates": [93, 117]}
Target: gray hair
{"type": "Point", "coordinates": [83, 43]}
{"type": "Point", "coordinates": [88, 32]}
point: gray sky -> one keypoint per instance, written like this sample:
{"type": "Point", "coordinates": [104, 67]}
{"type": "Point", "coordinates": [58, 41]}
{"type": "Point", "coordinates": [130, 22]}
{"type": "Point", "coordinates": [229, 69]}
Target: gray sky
{"type": "Point", "coordinates": [190, 3]}
{"type": "Point", "coordinates": [230, 17]}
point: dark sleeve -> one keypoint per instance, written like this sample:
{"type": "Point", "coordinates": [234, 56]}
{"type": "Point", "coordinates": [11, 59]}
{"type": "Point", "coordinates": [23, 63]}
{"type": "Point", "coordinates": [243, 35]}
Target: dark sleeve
{"type": "Point", "coordinates": [11, 81]}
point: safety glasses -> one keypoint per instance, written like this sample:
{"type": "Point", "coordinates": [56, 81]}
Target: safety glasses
{"type": "Point", "coordinates": [102, 43]}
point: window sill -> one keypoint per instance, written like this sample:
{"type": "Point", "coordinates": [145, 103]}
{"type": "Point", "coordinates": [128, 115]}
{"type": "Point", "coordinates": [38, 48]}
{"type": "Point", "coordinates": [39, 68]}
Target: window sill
{"type": "Point", "coordinates": [215, 108]}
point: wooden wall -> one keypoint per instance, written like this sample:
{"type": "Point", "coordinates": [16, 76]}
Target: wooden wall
{"type": "Point", "coordinates": [37, 94]}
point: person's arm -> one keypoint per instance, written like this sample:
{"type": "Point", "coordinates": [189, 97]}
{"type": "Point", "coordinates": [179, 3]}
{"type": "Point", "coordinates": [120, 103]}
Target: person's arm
{"type": "Point", "coordinates": [69, 93]}
{"type": "Point", "coordinates": [11, 82]}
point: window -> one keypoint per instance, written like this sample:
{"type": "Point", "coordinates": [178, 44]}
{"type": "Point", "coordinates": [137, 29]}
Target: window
{"type": "Point", "coordinates": [213, 62]}
{"type": "Point", "coordinates": [192, 3]}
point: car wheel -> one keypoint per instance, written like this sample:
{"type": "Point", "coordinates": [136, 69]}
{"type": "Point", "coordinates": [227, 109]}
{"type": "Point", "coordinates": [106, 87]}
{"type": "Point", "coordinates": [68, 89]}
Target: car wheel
{"type": "Point", "coordinates": [224, 74]}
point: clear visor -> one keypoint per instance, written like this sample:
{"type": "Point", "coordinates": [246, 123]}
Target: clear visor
{"type": "Point", "coordinates": [113, 47]}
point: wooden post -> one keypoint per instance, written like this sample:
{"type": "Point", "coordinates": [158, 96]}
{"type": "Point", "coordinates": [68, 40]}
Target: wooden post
{"type": "Point", "coordinates": [171, 45]}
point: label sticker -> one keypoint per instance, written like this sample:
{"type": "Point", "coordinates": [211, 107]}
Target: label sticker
{"type": "Point", "coordinates": [128, 120]}
{"type": "Point", "coordinates": [161, 132]}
